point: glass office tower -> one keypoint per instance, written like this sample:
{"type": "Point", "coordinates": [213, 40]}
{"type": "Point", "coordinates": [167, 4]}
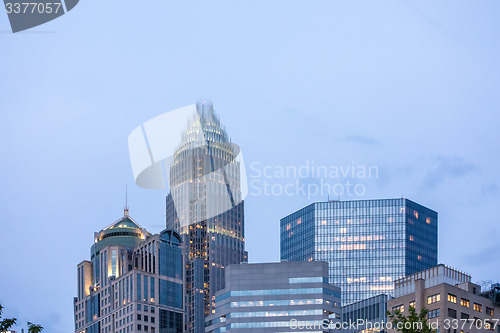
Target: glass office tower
{"type": "Point", "coordinates": [205, 204]}
{"type": "Point", "coordinates": [367, 243]}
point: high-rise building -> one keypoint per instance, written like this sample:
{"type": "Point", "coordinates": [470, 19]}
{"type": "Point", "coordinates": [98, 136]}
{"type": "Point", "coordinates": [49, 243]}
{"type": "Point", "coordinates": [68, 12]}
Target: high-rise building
{"type": "Point", "coordinates": [367, 243]}
{"type": "Point", "coordinates": [454, 303]}
{"type": "Point", "coordinates": [205, 204]}
{"type": "Point", "coordinates": [276, 297]}
{"type": "Point", "coordinates": [132, 283]}
{"type": "Point", "coordinates": [366, 316]}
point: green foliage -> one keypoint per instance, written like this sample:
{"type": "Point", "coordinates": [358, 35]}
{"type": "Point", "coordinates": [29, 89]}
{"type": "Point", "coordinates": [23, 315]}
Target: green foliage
{"type": "Point", "coordinates": [6, 324]}
{"type": "Point", "coordinates": [33, 328]}
{"type": "Point", "coordinates": [413, 323]}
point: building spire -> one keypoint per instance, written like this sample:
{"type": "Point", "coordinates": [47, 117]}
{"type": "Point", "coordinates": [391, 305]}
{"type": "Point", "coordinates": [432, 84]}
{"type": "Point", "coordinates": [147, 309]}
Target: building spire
{"type": "Point", "coordinates": [125, 210]}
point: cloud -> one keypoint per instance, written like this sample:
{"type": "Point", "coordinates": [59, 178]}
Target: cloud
{"type": "Point", "coordinates": [489, 190]}
{"type": "Point", "coordinates": [445, 167]}
{"type": "Point", "coordinates": [363, 140]}
{"type": "Point", "coordinates": [485, 256]}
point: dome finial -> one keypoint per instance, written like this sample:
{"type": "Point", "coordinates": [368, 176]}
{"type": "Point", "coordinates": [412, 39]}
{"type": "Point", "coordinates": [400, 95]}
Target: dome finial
{"type": "Point", "coordinates": [125, 210]}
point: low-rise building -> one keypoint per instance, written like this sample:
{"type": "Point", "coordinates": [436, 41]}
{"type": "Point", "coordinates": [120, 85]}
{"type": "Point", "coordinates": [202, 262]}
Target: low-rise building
{"type": "Point", "coordinates": [455, 304]}
{"type": "Point", "coordinates": [276, 297]}
{"type": "Point", "coordinates": [367, 316]}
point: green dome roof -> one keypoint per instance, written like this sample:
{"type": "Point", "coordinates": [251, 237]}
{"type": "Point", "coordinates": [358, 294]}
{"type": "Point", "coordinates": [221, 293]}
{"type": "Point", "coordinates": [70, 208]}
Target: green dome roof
{"type": "Point", "coordinates": [123, 232]}
{"type": "Point", "coordinates": [124, 222]}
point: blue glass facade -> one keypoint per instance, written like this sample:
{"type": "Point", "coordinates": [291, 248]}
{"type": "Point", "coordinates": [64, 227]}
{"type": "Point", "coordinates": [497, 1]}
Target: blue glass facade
{"type": "Point", "coordinates": [171, 256]}
{"type": "Point", "coordinates": [368, 243]}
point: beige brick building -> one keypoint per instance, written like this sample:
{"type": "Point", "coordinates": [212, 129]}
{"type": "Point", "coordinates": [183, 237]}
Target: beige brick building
{"type": "Point", "coordinates": [455, 304]}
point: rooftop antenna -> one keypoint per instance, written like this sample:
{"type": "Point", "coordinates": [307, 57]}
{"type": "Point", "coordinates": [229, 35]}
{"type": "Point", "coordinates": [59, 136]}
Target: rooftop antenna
{"type": "Point", "coordinates": [125, 210]}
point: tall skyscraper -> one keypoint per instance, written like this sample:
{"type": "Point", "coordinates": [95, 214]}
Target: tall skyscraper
{"type": "Point", "coordinates": [205, 205]}
{"type": "Point", "coordinates": [367, 243]}
{"type": "Point", "coordinates": [133, 283]}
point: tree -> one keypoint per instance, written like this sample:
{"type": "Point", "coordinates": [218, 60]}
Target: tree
{"type": "Point", "coordinates": [6, 324]}
{"type": "Point", "coordinates": [33, 328]}
{"type": "Point", "coordinates": [413, 323]}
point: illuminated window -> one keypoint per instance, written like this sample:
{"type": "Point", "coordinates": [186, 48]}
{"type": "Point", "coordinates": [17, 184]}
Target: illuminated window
{"type": "Point", "coordinates": [412, 304]}
{"type": "Point", "coordinates": [452, 298]}
{"type": "Point", "coordinates": [478, 307]}
{"type": "Point", "coordinates": [399, 308]}
{"type": "Point", "coordinates": [299, 221]}
{"type": "Point", "coordinates": [415, 213]}
{"type": "Point", "coordinates": [464, 302]}
{"type": "Point", "coordinates": [428, 220]}
{"type": "Point", "coordinates": [411, 238]}
{"type": "Point", "coordinates": [490, 311]}
{"type": "Point", "coordinates": [433, 298]}
{"type": "Point", "coordinates": [419, 257]}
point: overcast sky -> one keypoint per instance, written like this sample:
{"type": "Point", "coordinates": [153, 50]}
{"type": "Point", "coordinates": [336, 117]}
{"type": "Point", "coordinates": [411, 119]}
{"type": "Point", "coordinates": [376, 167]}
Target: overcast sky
{"type": "Point", "coordinates": [411, 87]}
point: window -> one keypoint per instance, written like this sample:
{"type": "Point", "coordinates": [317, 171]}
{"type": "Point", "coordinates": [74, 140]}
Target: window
{"type": "Point", "coordinates": [464, 316]}
{"type": "Point", "coordinates": [412, 304]}
{"type": "Point", "coordinates": [153, 320]}
{"type": "Point", "coordinates": [452, 313]}
{"type": "Point", "coordinates": [139, 328]}
{"type": "Point", "coordinates": [399, 308]}
{"type": "Point", "coordinates": [464, 302]}
{"type": "Point", "coordinates": [452, 298]}
{"type": "Point", "coordinates": [139, 317]}
{"type": "Point", "coordinates": [489, 326]}
{"type": "Point", "coordinates": [433, 298]}
{"type": "Point", "coordinates": [433, 313]}
{"type": "Point", "coordinates": [146, 319]}
{"type": "Point", "coordinates": [490, 311]}
{"type": "Point", "coordinates": [478, 307]}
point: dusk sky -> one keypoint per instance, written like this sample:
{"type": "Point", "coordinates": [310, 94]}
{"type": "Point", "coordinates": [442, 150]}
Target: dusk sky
{"type": "Point", "coordinates": [408, 87]}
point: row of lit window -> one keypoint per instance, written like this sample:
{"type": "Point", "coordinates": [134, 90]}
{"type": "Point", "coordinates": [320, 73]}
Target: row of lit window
{"type": "Point", "coordinates": [271, 324]}
{"type": "Point", "coordinates": [278, 292]}
{"type": "Point", "coordinates": [316, 312]}
{"type": "Point", "coordinates": [277, 302]}
{"type": "Point", "coordinates": [465, 302]}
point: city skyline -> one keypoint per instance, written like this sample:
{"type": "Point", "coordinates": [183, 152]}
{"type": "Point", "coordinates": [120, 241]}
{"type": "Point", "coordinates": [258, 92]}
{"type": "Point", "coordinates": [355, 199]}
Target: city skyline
{"type": "Point", "coordinates": [410, 87]}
